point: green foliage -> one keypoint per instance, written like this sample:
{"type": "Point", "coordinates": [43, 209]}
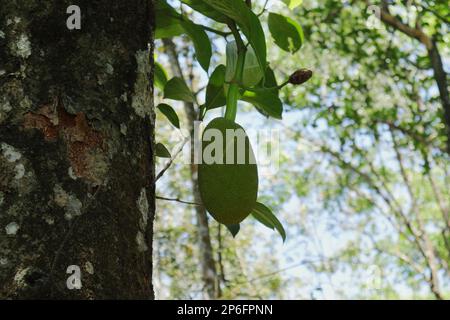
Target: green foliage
{"type": "Point", "coordinates": [215, 91]}
{"type": "Point", "coordinates": [167, 21]}
{"type": "Point", "coordinates": [371, 142]}
{"type": "Point", "coordinates": [340, 162]}
{"type": "Point", "coordinates": [201, 43]}
{"type": "Point", "coordinates": [247, 21]}
{"type": "Point", "coordinates": [203, 8]}
{"type": "Point", "coordinates": [266, 101]}
{"type": "Point", "coordinates": [170, 114]}
{"type": "Point", "coordinates": [252, 73]}
{"type": "Point", "coordinates": [231, 58]}
{"type": "Point", "coordinates": [160, 78]}
{"type": "Point", "coordinates": [161, 151]}
{"type": "Point", "coordinates": [269, 81]}
{"type": "Point", "coordinates": [170, 23]}
{"type": "Point", "coordinates": [287, 33]}
{"type": "Point", "coordinates": [266, 217]}
{"type": "Point", "coordinates": [293, 3]}
{"type": "Point", "coordinates": [246, 77]}
{"type": "Point", "coordinates": [176, 89]}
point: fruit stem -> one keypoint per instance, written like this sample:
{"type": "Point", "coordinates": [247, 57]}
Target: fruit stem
{"type": "Point", "coordinates": [233, 90]}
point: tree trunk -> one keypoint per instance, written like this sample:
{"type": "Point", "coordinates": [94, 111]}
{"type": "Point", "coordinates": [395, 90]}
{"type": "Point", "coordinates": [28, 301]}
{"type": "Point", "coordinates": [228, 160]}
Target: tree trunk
{"type": "Point", "coordinates": [211, 289]}
{"type": "Point", "coordinates": [76, 150]}
{"type": "Point", "coordinates": [439, 72]}
{"type": "Point", "coordinates": [441, 80]}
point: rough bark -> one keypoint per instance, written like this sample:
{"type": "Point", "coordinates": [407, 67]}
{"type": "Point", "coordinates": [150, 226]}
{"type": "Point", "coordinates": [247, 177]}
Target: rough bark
{"type": "Point", "coordinates": [76, 149]}
{"type": "Point", "coordinates": [208, 264]}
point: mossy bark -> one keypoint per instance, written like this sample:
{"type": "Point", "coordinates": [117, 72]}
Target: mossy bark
{"type": "Point", "coordinates": [76, 149]}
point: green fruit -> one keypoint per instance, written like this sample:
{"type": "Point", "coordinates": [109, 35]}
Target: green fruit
{"type": "Point", "coordinates": [228, 189]}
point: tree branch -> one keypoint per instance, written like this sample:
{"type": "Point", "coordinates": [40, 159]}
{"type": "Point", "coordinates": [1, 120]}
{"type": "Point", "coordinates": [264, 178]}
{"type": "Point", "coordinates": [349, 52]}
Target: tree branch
{"type": "Point", "coordinates": [429, 249]}
{"type": "Point", "coordinates": [172, 159]}
{"type": "Point", "coordinates": [177, 200]}
{"type": "Point", "coordinates": [415, 33]}
{"type": "Point", "coordinates": [436, 61]}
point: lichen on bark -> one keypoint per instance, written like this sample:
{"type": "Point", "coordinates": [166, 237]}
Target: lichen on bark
{"type": "Point", "coordinates": [74, 189]}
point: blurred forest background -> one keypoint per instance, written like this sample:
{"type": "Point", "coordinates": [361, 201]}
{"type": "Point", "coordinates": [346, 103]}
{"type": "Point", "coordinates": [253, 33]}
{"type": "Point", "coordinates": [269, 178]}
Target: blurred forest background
{"type": "Point", "coordinates": [363, 182]}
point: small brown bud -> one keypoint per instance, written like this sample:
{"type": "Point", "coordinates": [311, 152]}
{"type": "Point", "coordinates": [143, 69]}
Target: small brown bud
{"type": "Point", "coordinates": [300, 76]}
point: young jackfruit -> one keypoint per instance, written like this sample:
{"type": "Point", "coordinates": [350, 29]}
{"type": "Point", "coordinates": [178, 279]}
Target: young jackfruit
{"type": "Point", "coordinates": [228, 174]}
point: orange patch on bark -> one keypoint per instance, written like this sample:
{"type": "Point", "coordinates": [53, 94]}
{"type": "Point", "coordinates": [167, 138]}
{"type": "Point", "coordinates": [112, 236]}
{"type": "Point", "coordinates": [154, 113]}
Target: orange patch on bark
{"type": "Point", "coordinates": [81, 140]}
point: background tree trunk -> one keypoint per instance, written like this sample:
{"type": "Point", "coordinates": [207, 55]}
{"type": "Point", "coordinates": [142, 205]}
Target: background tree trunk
{"type": "Point", "coordinates": [210, 277]}
{"type": "Point", "coordinates": [76, 149]}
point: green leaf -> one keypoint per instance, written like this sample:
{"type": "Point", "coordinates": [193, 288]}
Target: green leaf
{"type": "Point", "coordinates": [267, 218]}
{"type": "Point", "coordinates": [292, 4]}
{"type": "Point", "coordinates": [160, 76]}
{"type": "Point", "coordinates": [203, 8]}
{"type": "Point", "coordinates": [232, 57]}
{"type": "Point", "coordinates": [201, 42]}
{"type": "Point", "coordinates": [168, 29]}
{"type": "Point", "coordinates": [269, 84]}
{"type": "Point", "coordinates": [167, 21]}
{"type": "Point", "coordinates": [269, 81]}
{"type": "Point", "coordinates": [161, 151]}
{"type": "Point", "coordinates": [287, 33]}
{"type": "Point", "coordinates": [170, 114]}
{"type": "Point", "coordinates": [215, 92]}
{"type": "Point", "coordinates": [176, 89]}
{"type": "Point", "coordinates": [266, 101]}
{"type": "Point", "coordinates": [234, 229]}
{"type": "Point", "coordinates": [247, 21]}
{"type": "Point", "coordinates": [252, 73]}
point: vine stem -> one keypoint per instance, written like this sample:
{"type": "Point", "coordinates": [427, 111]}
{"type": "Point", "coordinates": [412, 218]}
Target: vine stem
{"type": "Point", "coordinates": [233, 90]}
